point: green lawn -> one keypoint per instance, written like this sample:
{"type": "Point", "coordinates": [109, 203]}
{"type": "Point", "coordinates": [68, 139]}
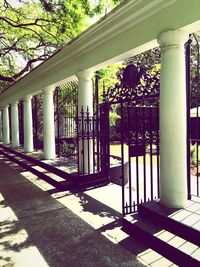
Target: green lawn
{"type": "Point", "coordinates": [115, 149]}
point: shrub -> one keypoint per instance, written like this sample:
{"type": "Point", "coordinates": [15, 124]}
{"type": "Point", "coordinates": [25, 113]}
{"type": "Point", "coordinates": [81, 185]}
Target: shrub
{"type": "Point", "coordinates": [193, 154]}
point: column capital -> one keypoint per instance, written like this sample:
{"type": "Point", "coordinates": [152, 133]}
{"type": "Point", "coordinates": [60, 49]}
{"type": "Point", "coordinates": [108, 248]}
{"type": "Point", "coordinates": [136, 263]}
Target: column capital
{"type": "Point", "coordinates": [27, 98]}
{"type": "Point", "coordinates": [49, 89]}
{"type": "Point", "coordinates": [5, 106]}
{"type": "Point", "coordinates": [14, 103]}
{"type": "Point", "coordinates": [174, 38]}
{"type": "Point", "coordinates": [85, 74]}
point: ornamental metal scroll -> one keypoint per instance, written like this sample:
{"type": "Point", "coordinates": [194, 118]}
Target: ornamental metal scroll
{"type": "Point", "coordinates": [86, 126]}
{"type": "Point", "coordinates": [141, 124]}
{"type": "Point", "coordinates": [134, 83]}
{"type": "Point", "coordinates": [194, 83]}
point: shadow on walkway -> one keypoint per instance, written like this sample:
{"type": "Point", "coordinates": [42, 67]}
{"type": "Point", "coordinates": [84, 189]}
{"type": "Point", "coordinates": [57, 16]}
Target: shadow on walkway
{"type": "Point", "coordinates": [48, 228]}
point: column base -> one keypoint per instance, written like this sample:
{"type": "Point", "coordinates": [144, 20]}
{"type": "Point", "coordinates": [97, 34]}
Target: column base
{"type": "Point", "coordinates": [6, 143]}
{"type": "Point", "coordinates": [175, 205]}
{"type": "Point", "coordinates": [49, 157]}
{"type": "Point", "coordinates": [28, 150]}
{"type": "Point", "coordinates": [15, 145]}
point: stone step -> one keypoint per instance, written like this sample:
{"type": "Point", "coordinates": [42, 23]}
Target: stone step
{"type": "Point", "coordinates": [169, 245]}
{"type": "Point", "coordinates": [182, 222]}
{"type": "Point", "coordinates": [145, 254]}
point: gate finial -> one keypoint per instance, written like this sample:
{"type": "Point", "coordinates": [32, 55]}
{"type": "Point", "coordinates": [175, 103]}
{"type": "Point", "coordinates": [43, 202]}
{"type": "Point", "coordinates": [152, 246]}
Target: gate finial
{"type": "Point", "coordinates": [131, 76]}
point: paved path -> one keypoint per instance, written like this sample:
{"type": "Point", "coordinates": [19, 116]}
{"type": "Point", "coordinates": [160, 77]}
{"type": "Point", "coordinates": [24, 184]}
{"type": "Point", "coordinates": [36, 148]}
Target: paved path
{"type": "Point", "coordinates": [41, 227]}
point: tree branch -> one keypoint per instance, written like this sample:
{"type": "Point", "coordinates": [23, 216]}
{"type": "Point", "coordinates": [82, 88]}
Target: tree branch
{"type": "Point", "coordinates": [25, 69]}
{"type": "Point", "coordinates": [15, 24]}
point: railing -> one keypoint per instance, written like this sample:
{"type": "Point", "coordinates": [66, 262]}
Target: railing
{"type": "Point", "coordinates": [193, 114]}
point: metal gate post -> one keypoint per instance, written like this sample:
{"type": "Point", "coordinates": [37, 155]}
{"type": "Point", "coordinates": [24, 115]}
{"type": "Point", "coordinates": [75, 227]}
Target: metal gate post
{"type": "Point", "coordinates": [35, 123]}
{"type": "Point", "coordinates": [58, 119]}
{"type": "Point", "coordinates": [97, 119]}
{"type": "Point", "coordinates": [10, 124]}
{"type": "Point", "coordinates": [188, 79]}
{"type": "Point", "coordinates": [21, 124]}
{"type": "Point", "coordinates": [104, 141]}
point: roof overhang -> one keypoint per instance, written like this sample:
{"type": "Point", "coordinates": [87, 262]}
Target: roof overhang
{"type": "Point", "coordinates": [128, 30]}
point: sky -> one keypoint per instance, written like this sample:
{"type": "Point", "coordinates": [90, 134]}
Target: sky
{"type": "Point", "coordinates": [17, 2]}
{"type": "Point", "coordinates": [14, 2]}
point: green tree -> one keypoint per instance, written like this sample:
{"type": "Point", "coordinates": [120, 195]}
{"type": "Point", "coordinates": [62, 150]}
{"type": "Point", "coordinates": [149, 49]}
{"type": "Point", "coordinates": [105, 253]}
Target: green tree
{"type": "Point", "coordinates": [33, 31]}
{"type": "Point", "coordinates": [195, 70]}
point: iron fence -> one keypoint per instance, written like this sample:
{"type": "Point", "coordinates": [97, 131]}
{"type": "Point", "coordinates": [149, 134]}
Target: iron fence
{"type": "Point", "coordinates": [21, 122]}
{"type": "Point", "coordinates": [136, 100]}
{"type": "Point", "coordinates": [65, 102]}
{"type": "Point", "coordinates": [193, 114]}
{"type": "Point", "coordinates": [78, 132]}
{"type": "Point", "coordinates": [37, 103]}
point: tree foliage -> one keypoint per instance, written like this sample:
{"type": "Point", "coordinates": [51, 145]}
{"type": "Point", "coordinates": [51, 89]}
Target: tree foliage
{"type": "Point", "coordinates": [195, 70]}
{"type": "Point", "coordinates": [32, 31]}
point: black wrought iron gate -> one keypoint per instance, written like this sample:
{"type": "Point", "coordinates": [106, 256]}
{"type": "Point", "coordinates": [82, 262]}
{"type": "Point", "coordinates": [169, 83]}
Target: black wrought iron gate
{"type": "Point", "coordinates": [136, 97]}
{"type": "Point", "coordinates": [80, 135]}
{"type": "Point", "coordinates": [193, 114]}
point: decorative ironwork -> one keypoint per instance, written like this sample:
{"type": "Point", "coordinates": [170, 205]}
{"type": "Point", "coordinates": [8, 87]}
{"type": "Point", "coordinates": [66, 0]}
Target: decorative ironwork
{"type": "Point", "coordinates": [193, 114]}
{"type": "Point", "coordinates": [21, 122]}
{"type": "Point", "coordinates": [194, 46]}
{"type": "Point", "coordinates": [87, 132]}
{"type": "Point", "coordinates": [78, 131]}
{"type": "Point", "coordinates": [37, 110]}
{"type": "Point", "coordinates": [65, 99]}
{"type": "Point", "coordinates": [37, 103]}
{"type": "Point", "coordinates": [86, 125]}
{"type": "Point", "coordinates": [144, 128]}
{"type": "Point", "coordinates": [140, 133]}
{"type": "Point", "coordinates": [136, 101]}
{"type": "Point", "coordinates": [131, 76]}
{"type": "Point", "coordinates": [135, 83]}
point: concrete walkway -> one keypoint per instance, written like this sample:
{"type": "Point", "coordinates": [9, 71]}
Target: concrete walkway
{"type": "Point", "coordinates": [39, 228]}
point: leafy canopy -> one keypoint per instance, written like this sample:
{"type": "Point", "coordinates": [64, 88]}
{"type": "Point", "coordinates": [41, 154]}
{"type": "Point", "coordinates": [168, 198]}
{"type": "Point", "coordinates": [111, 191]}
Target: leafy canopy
{"type": "Point", "coordinates": [32, 30]}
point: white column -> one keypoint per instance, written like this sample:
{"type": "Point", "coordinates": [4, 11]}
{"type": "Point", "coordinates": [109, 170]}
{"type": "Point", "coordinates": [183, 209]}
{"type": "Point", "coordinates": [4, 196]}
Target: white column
{"type": "Point", "coordinates": [1, 126]}
{"type": "Point", "coordinates": [85, 101]}
{"type": "Point", "coordinates": [85, 91]}
{"type": "Point", "coordinates": [173, 149]}
{"type": "Point", "coordinates": [28, 125]}
{"type": "Point", "coordinates": [6, 127]}
{"type": "Point", "coordinates": [14, 125]}
{"type": "Point", "coordinates": [48, 124]}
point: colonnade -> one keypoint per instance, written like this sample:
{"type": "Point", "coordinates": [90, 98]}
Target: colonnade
{"type": "Point", "coordinates": [173, 166]}
{"type": "Point", "coordinates": [85, 102]}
